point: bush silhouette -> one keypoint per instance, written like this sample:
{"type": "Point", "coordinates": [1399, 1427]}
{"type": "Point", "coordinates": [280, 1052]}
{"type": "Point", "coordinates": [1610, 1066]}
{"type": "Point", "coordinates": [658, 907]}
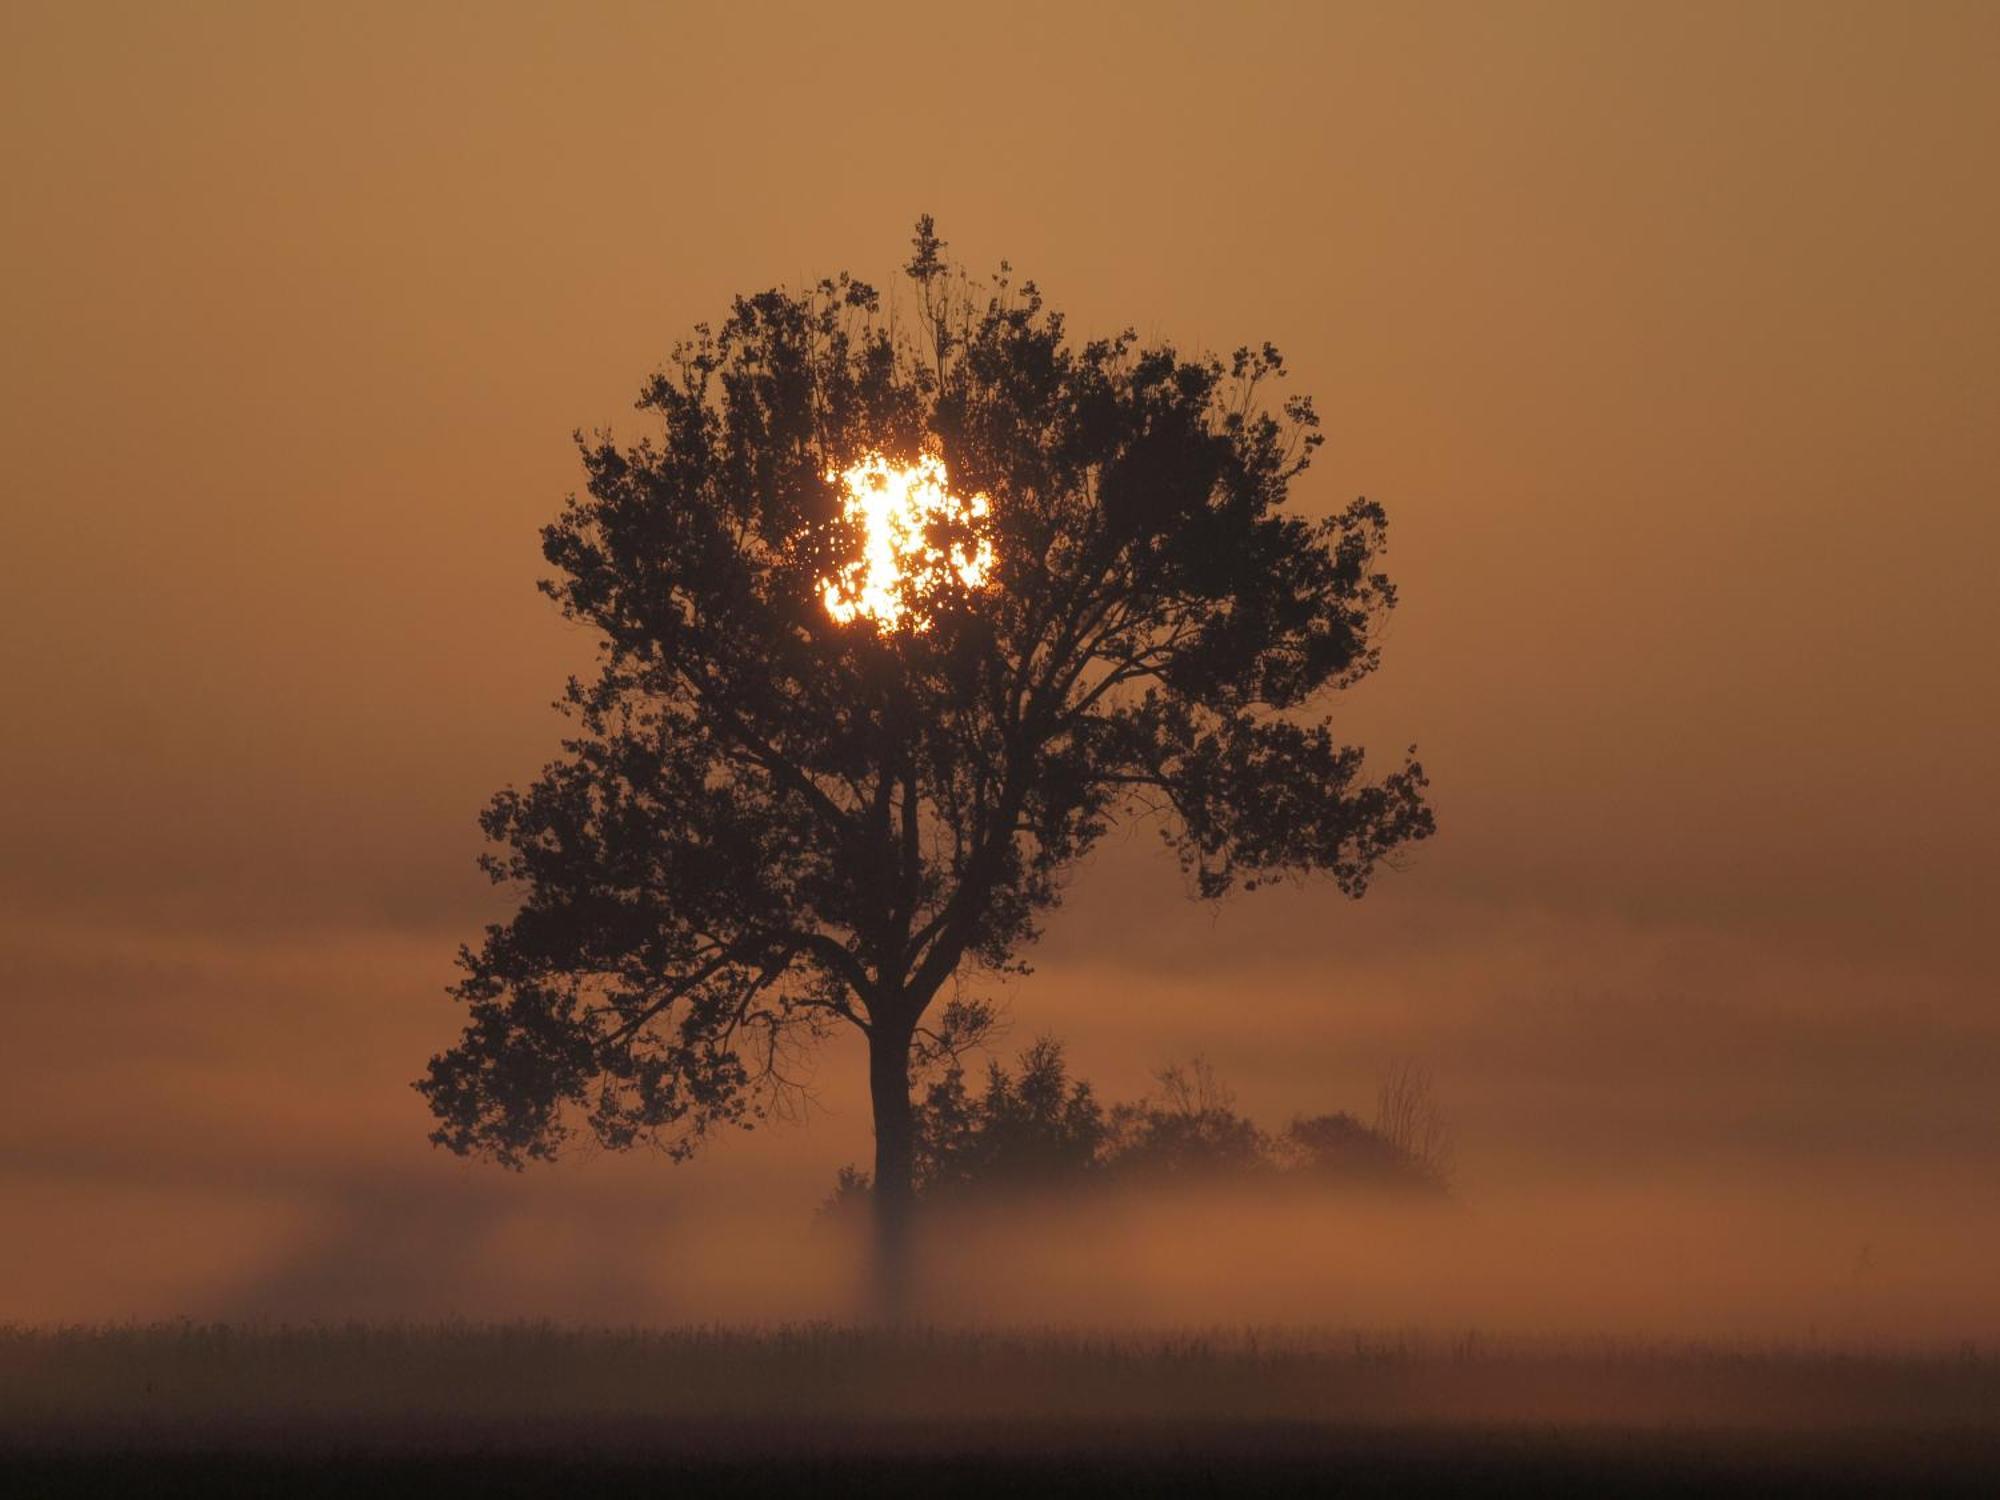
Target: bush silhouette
{"type": "Point", "coordinates": [1035, 1129]}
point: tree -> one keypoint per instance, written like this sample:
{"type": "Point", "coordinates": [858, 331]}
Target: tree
{"type": "Point", "coordinates": [1190, 1130]}
{"type": "Point", "coordinates": [1033, 1128]}
{"type": "Point", "coordinates": [1409, 1117]}
{"type": "Point", "coordinates": [780, 813]}
{"type": "Point", "coordinates": [1338, 1148]}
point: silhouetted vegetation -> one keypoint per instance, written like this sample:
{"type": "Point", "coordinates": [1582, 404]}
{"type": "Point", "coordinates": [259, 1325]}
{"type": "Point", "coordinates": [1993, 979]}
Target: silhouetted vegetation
{"type": "Point", "coordinates": [770, 820]}
{"type": "Point", "coordinates": [1035, 1129]}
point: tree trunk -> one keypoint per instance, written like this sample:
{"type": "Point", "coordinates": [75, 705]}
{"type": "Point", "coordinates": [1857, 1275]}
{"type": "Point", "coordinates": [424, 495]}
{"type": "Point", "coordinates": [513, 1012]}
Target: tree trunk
{"type": "Point", "coordinates": [895, 1158]}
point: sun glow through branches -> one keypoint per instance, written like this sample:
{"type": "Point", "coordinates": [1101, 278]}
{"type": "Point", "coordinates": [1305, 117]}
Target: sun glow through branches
{"type": "Point", "coordinates": [896, 508]}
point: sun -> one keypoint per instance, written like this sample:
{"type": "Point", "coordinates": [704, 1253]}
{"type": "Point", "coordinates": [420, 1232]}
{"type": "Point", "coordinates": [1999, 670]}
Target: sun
{"type": "Point", "coordinates": [899, 510]}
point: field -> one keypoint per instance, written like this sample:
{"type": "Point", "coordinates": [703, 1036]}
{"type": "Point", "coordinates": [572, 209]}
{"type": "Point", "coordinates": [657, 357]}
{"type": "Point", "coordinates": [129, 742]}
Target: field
{"type": "Point", "coordinates": [520, 1409]}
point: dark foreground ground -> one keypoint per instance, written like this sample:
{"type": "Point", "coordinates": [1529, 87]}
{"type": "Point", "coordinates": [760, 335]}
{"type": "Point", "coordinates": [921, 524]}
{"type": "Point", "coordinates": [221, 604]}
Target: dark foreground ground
{"type": "Point", "coordinates": [200, 1410]}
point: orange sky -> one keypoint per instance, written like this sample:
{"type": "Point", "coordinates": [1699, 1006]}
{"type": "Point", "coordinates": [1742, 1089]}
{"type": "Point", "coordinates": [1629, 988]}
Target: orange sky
{"type": "Point", "coordinates": [1668, 335]}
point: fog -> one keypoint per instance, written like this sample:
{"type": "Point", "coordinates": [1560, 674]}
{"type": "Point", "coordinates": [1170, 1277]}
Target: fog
{"type": "Point", "coordinates": [1890, 1264]}
{"type": "Point", "coordinates": [1822, 1177]}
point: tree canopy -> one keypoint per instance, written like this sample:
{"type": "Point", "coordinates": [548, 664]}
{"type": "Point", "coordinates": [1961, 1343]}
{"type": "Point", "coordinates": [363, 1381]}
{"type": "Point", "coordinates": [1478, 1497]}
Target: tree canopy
{"type": "Point", "coordinates": [767, 821]}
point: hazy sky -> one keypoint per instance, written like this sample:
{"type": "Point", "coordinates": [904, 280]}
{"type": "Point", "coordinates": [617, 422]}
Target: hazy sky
{"type": "Point", "coordinates": [1669, 336]}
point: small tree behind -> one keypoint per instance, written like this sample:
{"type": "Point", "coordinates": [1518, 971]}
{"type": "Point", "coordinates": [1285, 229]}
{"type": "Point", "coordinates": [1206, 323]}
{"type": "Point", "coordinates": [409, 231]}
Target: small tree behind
{"type": "Point", "coordinates": [1033, 1128]}
{"type": "Point", "coordinates": [1188, 1129]}
{"type": "Point", "coordinates": [1039, 1131]}
{"type": "Point", "coordinates": [1409, 1117]}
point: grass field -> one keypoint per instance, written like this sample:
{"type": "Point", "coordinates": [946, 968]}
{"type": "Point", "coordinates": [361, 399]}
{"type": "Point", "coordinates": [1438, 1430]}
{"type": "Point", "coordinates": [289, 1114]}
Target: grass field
{"type": "Point", "coordinates": [214, 1409]}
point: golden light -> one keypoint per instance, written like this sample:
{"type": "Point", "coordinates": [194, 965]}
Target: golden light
{"type": "Point", "coordinates": [896, 508]}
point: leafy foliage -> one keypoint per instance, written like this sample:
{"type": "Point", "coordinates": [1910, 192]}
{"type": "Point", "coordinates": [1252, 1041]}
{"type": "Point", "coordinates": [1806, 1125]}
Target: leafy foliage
{"type": "Point", "coordinates": [765, 823]}
{"type": "Point", "coordinates": [1036, 1129]}
{"type": "Point", "coordinates": [1031, 1128]}
{"type": "Point", "coordinates": [1190, 1129]}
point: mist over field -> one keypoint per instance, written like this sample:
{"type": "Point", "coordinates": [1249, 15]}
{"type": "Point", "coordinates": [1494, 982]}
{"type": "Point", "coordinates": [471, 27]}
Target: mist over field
{"type": "Point", "coordinates": [1661, 1132]}
{"type": "Point", "coordinates": [1658, 1134]}
{"type": "Point", "coordinates": [1760, 1177]}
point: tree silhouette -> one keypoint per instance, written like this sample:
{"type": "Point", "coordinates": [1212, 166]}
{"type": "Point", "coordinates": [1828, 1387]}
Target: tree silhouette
{"type": "Point", "coordinates": [1032, 1128]}
{"type": "Point", "coordinates": [1409, 1117]}
{"type": "Point", "coordinates": [1338, 1148]}
{"type": "Point", "coordinates": [1190, 1129]}
{"type": "Point", "coordinates": [769, 821]}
